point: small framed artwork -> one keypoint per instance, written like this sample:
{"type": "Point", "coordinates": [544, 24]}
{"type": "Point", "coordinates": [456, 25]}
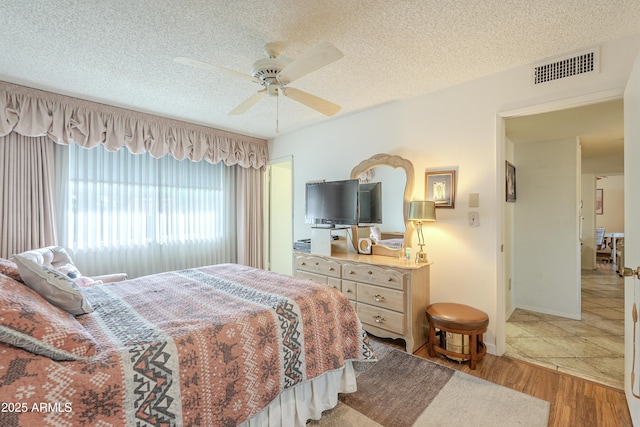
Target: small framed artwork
{"type": "Point", "coordinates": [599, 201]}
{"type": "Point", "coordinates": [510, 182]}
{"type": "Point", "coordinates": [440, 187]}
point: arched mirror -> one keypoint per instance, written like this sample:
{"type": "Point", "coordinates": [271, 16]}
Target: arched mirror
{"type": "Point", "coordinates": [395, 174]}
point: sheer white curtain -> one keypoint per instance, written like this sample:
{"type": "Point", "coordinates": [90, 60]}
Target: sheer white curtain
{"type": "Point", "coordinates": [134, 213]}
{"type": "Point", "coordinates": [26, 193]}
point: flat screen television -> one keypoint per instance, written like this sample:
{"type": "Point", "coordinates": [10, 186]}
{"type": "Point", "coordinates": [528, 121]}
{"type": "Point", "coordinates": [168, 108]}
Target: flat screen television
{"type": "Point", "coordinates": [332, 202]}
{"type": "Point", "coordinates": [370, 199]}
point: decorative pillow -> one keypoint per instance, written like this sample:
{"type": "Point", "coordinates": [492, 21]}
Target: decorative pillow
{"type": "Point", "coordinates": [9, 268]}
{"type": "Point", "coordinates": [53, 286]}
{"type": "Point", "coordinates": [31, 323]}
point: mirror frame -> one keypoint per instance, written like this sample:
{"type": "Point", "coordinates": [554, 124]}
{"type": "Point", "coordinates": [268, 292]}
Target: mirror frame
{"type": "Point", "coordinates": [396, 162]}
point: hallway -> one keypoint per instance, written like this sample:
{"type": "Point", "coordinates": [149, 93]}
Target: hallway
{"type": "Point", "coordinates": [591, 348]}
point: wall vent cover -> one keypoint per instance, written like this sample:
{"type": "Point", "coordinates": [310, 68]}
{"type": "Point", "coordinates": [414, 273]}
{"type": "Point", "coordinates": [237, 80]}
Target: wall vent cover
{"type": "Point", "coordinates": [583, 62]}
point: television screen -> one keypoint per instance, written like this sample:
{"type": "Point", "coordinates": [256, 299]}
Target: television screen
{"type": "Point", "coordinates": [332, 202]}
{"type": "Point", "coordinates": [370, 203]}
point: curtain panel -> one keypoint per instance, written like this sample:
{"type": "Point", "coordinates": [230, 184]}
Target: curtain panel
{"type": "Point", "coordinates": [64, 119]}
{"type": "Point", "coordinates": [27, 188]}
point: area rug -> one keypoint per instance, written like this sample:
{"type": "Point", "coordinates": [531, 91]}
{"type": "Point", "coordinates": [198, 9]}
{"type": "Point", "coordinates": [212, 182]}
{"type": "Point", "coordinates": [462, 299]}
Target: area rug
{"type": "Point", "coordinates": [405, 390]}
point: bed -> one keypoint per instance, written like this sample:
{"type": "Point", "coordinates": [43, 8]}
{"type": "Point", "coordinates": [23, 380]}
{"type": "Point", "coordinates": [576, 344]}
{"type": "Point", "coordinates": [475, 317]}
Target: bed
{"type": "Point", "coordinates": [222, 345]}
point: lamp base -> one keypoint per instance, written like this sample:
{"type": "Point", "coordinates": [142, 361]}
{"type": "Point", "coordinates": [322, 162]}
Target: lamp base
{"type": "Point", "coordinates": [421, 257]}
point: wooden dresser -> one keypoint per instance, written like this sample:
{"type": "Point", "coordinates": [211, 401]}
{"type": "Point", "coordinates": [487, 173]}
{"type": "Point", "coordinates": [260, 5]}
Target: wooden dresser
{"type": "Point", "coordinates": [390, 295]}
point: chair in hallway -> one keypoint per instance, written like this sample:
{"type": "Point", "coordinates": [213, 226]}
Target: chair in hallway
{"type": "Point", "coordinates": [603, 251]}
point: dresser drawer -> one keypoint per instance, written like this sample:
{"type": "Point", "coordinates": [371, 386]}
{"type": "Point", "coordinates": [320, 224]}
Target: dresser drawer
{"type": "Point", "coordinates": [334, 283]}
{"type": "Point", "coordinates": [381, 318]}
{"type": "Point", "coordinates": [349, 288]}
{"type": "Point", "coordinates": [318, 265]}
{"type": "Point", "coordinates": [311, 276]}
{"type": "Point", "coordinates": [364, 273]}
{"type": "Point", "coordinates": [331, 281]}
{"type": "Point", "coordinates": [381, 297]}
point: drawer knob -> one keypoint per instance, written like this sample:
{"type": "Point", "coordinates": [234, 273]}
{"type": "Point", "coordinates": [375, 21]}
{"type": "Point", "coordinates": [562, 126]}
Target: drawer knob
{"type": "Point", "coordinates": [378, 298]}
{"type": "Point", "coordinates": [351, 272]}
{"type": "Point", "coordinates": [331, 269]}
{"type": "Point", "coordinates": [316, 262]}
{"type": "Point", "coordinates": [303, 263]}
{"type": "Point", "coordinates": [378, 319]}
{"type": "Point", "coordinates": [391, 279]}
{"type": "Point", "coordinates": [370, 272]}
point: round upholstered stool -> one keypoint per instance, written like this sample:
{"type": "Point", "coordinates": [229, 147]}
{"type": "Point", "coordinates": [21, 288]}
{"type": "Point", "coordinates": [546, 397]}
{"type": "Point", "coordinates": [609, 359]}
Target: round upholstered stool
{"type": "Point", "coordinates": [458, 319]}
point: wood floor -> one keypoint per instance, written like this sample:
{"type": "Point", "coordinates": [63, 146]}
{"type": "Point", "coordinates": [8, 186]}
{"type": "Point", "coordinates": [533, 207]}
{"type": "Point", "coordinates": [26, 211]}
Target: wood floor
{"type": "Point", "coordinates": [574, 401]}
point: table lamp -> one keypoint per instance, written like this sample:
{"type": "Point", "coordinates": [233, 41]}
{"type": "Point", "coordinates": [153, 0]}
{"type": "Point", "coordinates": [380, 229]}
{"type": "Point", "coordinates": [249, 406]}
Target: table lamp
{"type": "Point", "coordinates": [419, 211]}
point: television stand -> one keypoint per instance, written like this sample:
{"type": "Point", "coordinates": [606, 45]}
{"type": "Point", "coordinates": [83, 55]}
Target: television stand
{"type": "Point", "coordinates": [329, 240]}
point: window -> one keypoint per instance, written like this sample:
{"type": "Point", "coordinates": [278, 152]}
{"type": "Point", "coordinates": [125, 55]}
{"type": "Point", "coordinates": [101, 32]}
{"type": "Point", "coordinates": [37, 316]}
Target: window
{"type": "Point", "coordinates": [180, 212]}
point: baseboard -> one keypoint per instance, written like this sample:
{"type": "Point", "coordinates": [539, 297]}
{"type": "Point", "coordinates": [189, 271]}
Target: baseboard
{"type": "Point", "coordinates": [551, 312]}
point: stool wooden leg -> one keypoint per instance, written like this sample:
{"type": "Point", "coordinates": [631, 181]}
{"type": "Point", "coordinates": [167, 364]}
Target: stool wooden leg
{"type": "Point", "coordinates": [473, 344]}
{"type": "Point", "coordinates": [432, 340]}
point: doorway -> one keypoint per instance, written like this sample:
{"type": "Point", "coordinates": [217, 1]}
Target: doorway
{"type": "Point", "coordinates": [598, 125]}
{"type": "Point", "coordinates": [279, 218]}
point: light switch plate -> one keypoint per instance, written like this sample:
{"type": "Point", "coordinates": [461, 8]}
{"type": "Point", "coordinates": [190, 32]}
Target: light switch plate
{"type": "Point", "coordinates": [474, 200]}
{"type": "Point", "coordinates": [474, 219]}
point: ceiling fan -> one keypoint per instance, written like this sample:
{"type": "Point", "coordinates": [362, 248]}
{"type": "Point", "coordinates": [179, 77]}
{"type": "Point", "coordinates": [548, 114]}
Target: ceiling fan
{"type": "Point", "coordinates": [275, 73]}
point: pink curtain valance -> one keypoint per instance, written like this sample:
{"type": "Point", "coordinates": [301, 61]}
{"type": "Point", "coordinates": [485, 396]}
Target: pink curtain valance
{"type": "Point", "coordinates": [32, 112]}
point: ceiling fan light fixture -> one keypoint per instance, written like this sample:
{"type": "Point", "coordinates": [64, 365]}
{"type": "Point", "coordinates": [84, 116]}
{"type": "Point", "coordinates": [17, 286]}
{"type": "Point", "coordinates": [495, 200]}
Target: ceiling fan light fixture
{"type": "Point", "coordinates": [268, 68]}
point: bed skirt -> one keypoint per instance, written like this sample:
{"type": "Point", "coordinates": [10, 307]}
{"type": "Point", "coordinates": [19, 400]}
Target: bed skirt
{"type": "Point", "coordinates": [306, 401]}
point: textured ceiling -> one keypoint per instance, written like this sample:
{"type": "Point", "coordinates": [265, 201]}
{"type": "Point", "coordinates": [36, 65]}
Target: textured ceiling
{"type": "Point", "coordinates": [121, 52]}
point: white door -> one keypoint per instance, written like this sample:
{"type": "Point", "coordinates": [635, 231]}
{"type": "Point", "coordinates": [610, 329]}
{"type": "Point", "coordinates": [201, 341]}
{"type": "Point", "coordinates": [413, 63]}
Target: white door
{"type": "Point", "coordinates": [632, 235]}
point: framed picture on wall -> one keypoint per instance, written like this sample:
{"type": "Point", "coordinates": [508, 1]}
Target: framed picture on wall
{"type": "Point", "coordinates": [510, 183]}
{"type": "Point", "coordinates": [440, 188]}
{"type": "Point", "coordinates": [599, 201]}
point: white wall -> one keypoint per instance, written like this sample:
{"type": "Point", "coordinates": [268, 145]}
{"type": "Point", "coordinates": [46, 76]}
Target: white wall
{"type": "Point", "coordinates": [612, 218]}
{"type": "Point", "coordinates": [546, 245]}
{"type": "Point", "coordinates": [280, 228]}
{"type": "Point", "coordinates": [452, 127]}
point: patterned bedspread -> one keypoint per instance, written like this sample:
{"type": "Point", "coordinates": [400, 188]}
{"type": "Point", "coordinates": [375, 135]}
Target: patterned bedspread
{"type": "Point", "coordinates": [210, 346]}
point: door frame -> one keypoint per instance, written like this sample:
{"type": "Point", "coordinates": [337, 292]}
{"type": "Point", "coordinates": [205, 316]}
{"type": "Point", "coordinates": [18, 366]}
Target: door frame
{"type": "Point", "coordinates": [502, 269]}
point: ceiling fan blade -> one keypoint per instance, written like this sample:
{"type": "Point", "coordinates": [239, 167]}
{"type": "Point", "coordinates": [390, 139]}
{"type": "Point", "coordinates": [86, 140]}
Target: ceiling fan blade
{"type": "Point", "coordinates": [248, 103]}
{"type": "Point", "coordinates": [321, 105]}
{"type": "Point", "coordinates": [211, 67]}
{"type": "Point", "coordinates": [324, 53]}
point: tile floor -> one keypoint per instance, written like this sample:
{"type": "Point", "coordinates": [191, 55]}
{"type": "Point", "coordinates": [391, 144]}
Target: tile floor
{"type": "Point", "coordinates": [591, 348]}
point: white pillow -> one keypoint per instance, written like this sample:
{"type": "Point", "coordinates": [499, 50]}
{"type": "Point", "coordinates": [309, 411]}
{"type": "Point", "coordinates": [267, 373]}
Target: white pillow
{"type": "Point", "coordinates": [53, 286]}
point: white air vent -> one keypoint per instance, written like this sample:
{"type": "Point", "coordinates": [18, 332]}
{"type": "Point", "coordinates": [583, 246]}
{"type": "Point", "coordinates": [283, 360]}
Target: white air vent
{"type": "Point", "coordinates": [583, 62]}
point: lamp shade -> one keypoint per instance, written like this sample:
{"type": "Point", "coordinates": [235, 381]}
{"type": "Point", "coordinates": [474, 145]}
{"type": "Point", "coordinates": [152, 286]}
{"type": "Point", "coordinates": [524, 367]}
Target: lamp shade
{"type": "Point", "coordinates": [422, 210]}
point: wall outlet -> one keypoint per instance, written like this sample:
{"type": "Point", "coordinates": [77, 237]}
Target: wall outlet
{"type": "Point", "coordinates": [474, 219]}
